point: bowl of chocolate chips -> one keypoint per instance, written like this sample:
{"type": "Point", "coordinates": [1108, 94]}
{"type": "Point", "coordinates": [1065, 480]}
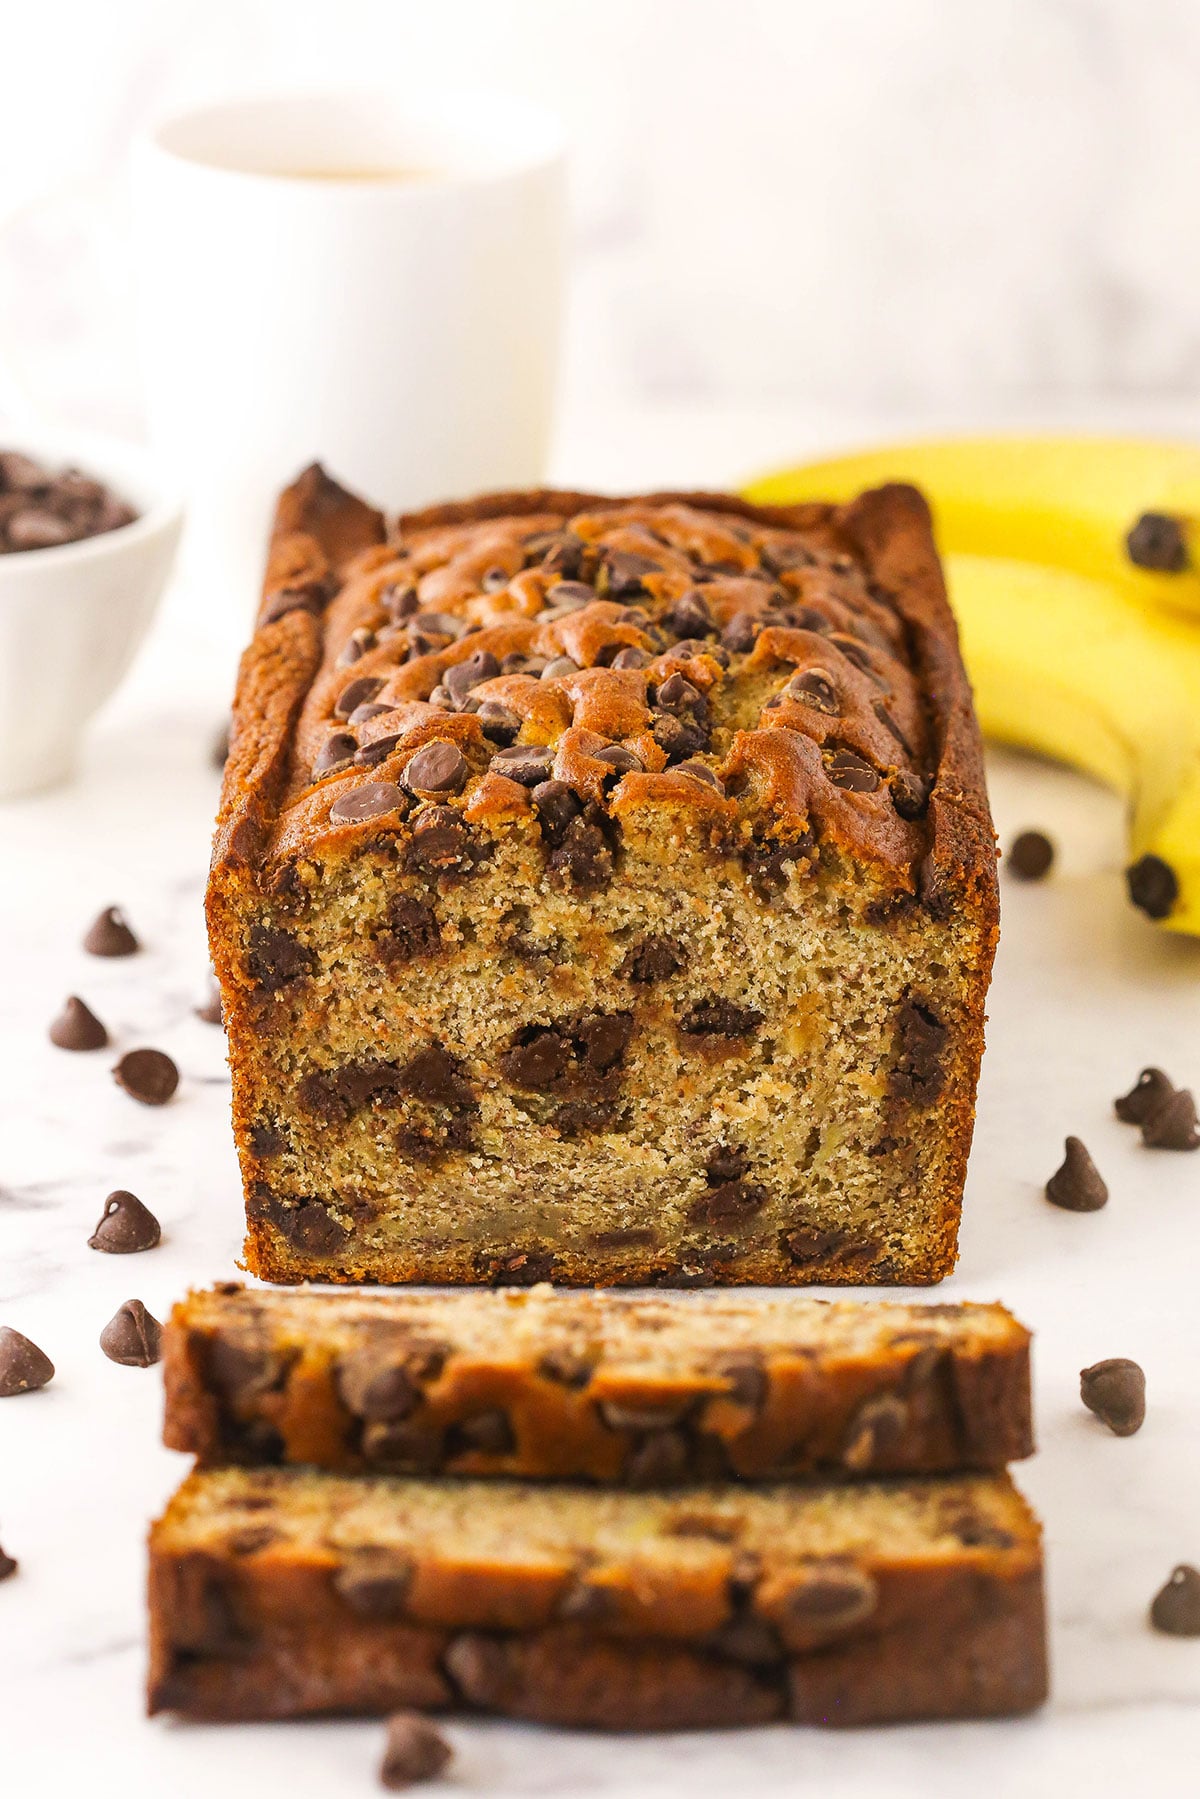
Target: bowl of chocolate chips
{"type": "Point", "coordinates": [88, 532]}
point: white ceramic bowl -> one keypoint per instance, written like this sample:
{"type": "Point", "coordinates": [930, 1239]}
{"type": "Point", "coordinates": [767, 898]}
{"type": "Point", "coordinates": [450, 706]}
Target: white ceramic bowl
{"type": "Point", "coordinates": [71, 618]}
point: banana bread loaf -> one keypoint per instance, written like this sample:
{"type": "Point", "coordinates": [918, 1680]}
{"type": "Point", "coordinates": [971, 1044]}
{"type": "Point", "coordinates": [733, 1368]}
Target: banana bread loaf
{"type": "Point", "coordinates": [603, 891]}
{"type": "Point", "coordinates": [645, 1390]}
{"type": "Point", "coordinates": [278, 1592]}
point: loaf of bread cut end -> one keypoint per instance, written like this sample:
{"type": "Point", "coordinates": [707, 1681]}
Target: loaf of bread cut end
{"type": "Point", "coordinates": [641, 1390]}
{"type": "Point", "coordinates": [603, 891]}
{"type": "Point", "coordinates": [281, 1592]}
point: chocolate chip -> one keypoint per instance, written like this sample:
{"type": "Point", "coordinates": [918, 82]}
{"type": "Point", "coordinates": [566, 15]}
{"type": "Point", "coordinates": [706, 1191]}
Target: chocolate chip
{"type": "Point", "coordinates": [1116, 1391]}
{"type": "Point", "coordinates": [816, 689]}
{"type": "Point", "coordinates": [147, 1075]}
{"type": "Point", "coordinates": [568, 1367]}
{"type": "Point", "coordinates": [33, 528]}
{"type": "Point", "coordinates": [400, 601]}
{"type": "Point", "coordinates": [126, 1226]}
{"type": "Point", "coordinates": [109, 935]}
{"type": "Point", "coordinates": [436, 1077]}
{"type": "Point", "coordinates": [556, 806]}
{"type": "Point", "coordinates": [499, 723]}
{"type": "Point", "coordinates": [523, 1268]}
{"type": "Point", "coordinates": [700, 771]}
{"type": "Point", "coordinates": [831, 1596]}
{"type": "Point", "coordinates": [718, 1017]}
{"type": "Point", "coordinates": [274, 958]}
{"type": "Point", "coordinates": [767, 861]}
{"type": "Point", "coordinates": [1153, 886]}
{"type": "Point", "coordinates": [559, 667]}
{"type": "Point", "coordinates": [1173, 1124]}
{"type": "Point", "coordinates": [377, 751]}
{"type": "Point", "coordinates": [440, 624]}
{"type": "Point", "coordinates": [910, 793]}
{"type": "Point", "coordinates": [848, 770]}
{"type": "Point", "coordinates": [739, 634]}
{"type": "Point", "coordinates": [919, 1071]}
{"type": "Point", "coordinates": [747, 1379]}
{"type": "Point", "coordinates": [567, 596]}
{"type": "Point", "coordinates": [617, 756]}
{"type": "Point", "coordinates": [77, 1027]}
{"type": "Point", "coordinates": [336, 752]}
{"type": "Point", "coordinates": [22, 474]}
{"type": "Point", "coordinates": [132, 1337]}
{"type": "Point", "coordinates": [653, 959]}
{"type": "Point", "coordinates": [528, 763]}
{"type": "Point", "coordinates": [414, 1750]}
{"type": "Point", "coordinates": [1156, 540]}
{"type": "Point", "coordinates": [413, 930]}
{"type": "Point", "coordinates": [659, 1460]}
{"type": "Point", "coordinates": [676, 693]}
{"type": "Point", "coordinates": [357, 693]}
{"type": "Point", "coordinates": [308, 596]}
{"type": "Point", "coordinates": [625, 570]}
{"type": "Point", "coordinates": [1077, 1186]}
{"type": "Point", "coordinates": [539, 1058]}
{"type": "Point", "coordinates": [356, 647]}
{"type": "Point", "coordinates": [877, 1426]}
{"type": "Point", "coordinates": [7, 1565]}
{"type": "Point", "coordinates": [441, 842]}
{"type": "Point", "coordinates": [481, 665]}
{"type": "Point", "coordinates": [478, 1665]}
{"type": "Point", "coordinates": [439, 767]}
{"type": "Point", "coordinates": [560, 552]}
{"type": "Point", "coordinates": [24, 1368]}
{"type": "Point", "coordinates": [373, 800]}
{"type": "Point", "coordinates": [804, 1245]}
{"type": "Point", "coordinates": [1150, 1091]}
{"type": "Point", "coordinates": [374, 1582]}
{"type": "Point", "coordinates": [690, 615]}
{"type": "Point", "coordinates": [602, 1039]}
{"type": "Point", "coordinates": [209, 1009]}
{"type": "Point", "coordinates": [629, 657]}
{"type": "Point", "coordinates": [727, 1204]}
{"type": "Point", "coordinates": [485, 1433]}
{"type": "Point", "coordinates": [584, 1602]}
{"type": "Point", "coordinates": [1175, 1609]}
{"type": "Point", "coordinates": [1030, 856]}
{"type": "Point", "coordinates": [375, 1386]}
{"type": "Point", "coordinates": [727, 1162]}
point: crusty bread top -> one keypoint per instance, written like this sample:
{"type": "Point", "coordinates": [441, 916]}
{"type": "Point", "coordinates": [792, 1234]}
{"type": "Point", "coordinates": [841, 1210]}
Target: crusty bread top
{"type": "Point", "coordinates": [792, 681]}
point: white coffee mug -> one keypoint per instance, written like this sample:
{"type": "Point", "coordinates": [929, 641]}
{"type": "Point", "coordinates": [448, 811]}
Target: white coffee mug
{"type": "Point", "coordinates": [358, 279]}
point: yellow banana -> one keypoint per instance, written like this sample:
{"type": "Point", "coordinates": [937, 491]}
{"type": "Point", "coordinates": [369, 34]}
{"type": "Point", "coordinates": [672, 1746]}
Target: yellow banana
{"type": "Point", "coordinates": [1067, 502]}
{"type": "Point", "coordinates": [1075, 669]}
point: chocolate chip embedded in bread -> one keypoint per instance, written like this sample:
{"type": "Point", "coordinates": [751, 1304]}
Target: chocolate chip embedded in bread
{"type": "Point", "coordinates": [441, 843]}
{"type": "Point", "coordinates": [728, 1204]}
{"type": "Point", "coordinates": [583, 857]}
{"type": "Point", "coordinates": [479, 1666]}
{"type": "Point", "coordinates": [586, 1602]}
{"type": "Point", "coordinates": [660, 1459]}
{"type": "Point", "coordinates": [557, 807]}
{"type": "Point", "coordinates": [376, 1384]}
{"type": "Point", "coordinates": [1115, 1390]}
{"type": "Point", "coordinates": [625, 571]}
{"type": "Point", "coordinates": [438, 767]}
{"type": "Point", "coordinates": [126, 1226]}
{"type": "Point", "coordinates": [823, 1599]}
{"type": "Point", "coordinates": [147, 1075]}
{"type": "Point", "coordinates": [717, 1017]}
{"type": "Point", "coordinates": [274, 958]}
{"type": "Point", "coordinates": [1175, 1609]}
{"type": "Point", "coordinates": [740, 633]}
{"type": "Point", "coordinates": [1151, 1089]}
{"type": "Point", "coordinates": [1173, 1124]}
{"type": "Point", "coordinates": [620, 758]}
{"type": "Point", "coordinates": [499, 723]}
{"type": "Point", "coordinates": [523, 1268]}
{"type": "Point", "coordinates": [307, 1224]}
{"type": "Point", "coordinates": [481, 665]}
{"type": "Point", "coordinates": [558, 667]}
{"type": "Point", "coordinates": [370, 755]}
{"type": "Point", "coordinates": [375, 799]}
{"type": "Point", "coordinates": [414, 1750]}
{"type": "Point", "coordinates": [412, 930]}
{"type": "Point", "coordinates": [374, 1582]}
{"type": "Point", "coordinates": [24, 1368]}
{"type": "Point", "coordinates": [629, 657]}
{"type": "Point", "coordinates": [528, 763]}
{"type": "Point", "coordinates": [307, 596]}
{"type": "Point", "coordinates": [813, 687]}
{"type": "Point", "coordinates": [877, 1427]}
{"type": "Point", "coordinates": [1030, 856]}
{"type": "Point", "coordinates": [109, 935]}
{"type": "Point", "coordinates": [852, 772]}
{"type": "Point", "coordinates": [357, 693]}
{"type": "Point", "coordinates": [436, 1077]}
{"type": "Point", "coordinates": [337, 751]}
{"type": "Point", "coordinates": [568, 1367]}
{"type": "Point", "coordinates": [747, 1377]}
{"type": "Point", "coordinates": [919, 1070]}
{"type": "Point", "coordinates": [910, 793]}
{"type": "Point", "coordinates": [1077, 1186]}
{"type": "Point", "coordinates": [132, 1336]}
{"type": "Point", "coordinates": [700, 771]}
{"type": "Point", "coordinates": [77, 1027]}
{"type": "Point", "coordinates": [653, 959]}
{"type": "Point", "coordinates": [356, 647]}
{"type": "Point", "coordinates": [690, 616]}
{"type": "Point", "coordinates": [484, 1433]}
{"type": "Point", "coordinates": [540, 1057]}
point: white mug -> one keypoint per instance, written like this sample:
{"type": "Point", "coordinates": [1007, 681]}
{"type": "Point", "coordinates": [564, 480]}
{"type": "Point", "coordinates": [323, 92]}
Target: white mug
{"type": "Point", "coordinates": [357, 279]}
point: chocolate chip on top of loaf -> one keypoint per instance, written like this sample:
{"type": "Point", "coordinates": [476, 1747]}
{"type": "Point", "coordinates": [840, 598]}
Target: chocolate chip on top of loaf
{"type": "Point", "coordinates": [604, 890]}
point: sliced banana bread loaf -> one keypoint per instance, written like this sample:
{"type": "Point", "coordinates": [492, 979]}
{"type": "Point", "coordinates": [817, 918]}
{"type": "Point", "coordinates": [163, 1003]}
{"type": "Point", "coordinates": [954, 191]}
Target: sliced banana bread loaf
{"type": "Point", "coordinates": [277, 1592]}
{"type": "Point", "coordinates": [603, 891]}
{"type": "Point", "coordinates": [643, 1389]}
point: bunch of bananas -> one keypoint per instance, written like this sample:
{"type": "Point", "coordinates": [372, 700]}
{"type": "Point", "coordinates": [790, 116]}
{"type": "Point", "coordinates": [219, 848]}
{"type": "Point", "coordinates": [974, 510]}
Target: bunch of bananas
{"type": "Point", "coordinates": [1073, 566]}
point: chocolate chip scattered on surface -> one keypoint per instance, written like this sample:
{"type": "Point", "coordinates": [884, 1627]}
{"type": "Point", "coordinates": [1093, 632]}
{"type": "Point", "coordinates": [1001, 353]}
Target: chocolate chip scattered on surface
{"type": "Point", "coordinates": [1173, 1124]}
{"type": "Point", "coordinates": [1176, 1607]}
{"type": "Point", "coordinates": [1115, 1390]}
{"type": "Point", "coordinates": [126, 1226]}
{"type": "Point", "coordinates": [7, 1565]}
{"type": "Point", "coordinates": [109, 935]}
{"type": "Point", "coordinates": [1153, 886]}
{"type": "Point", "coordinates": [1031, 856]}
{"type": "Point", "coordinates": [24, 1368]}
{"type": "Point", "coordinates": [132, 1336]}
{"type": "Point", "coordinates": [1077, 1186]}
{"type": "Point", "coordinates": [1151, 1090]}
{"type": "Point", "coordinates": [147, 1075]}
{"type": "Point", "coordinates": [77, 1027]}
{"type": "Point", "coordinates": [1157, 540]}
{"type": "Point", "coordinates": [415, 1750]}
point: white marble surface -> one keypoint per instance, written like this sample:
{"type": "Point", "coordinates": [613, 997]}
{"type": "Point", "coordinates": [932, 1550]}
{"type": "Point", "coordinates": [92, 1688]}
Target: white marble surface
{"type": "Point", "coordinates": [1085, 993]}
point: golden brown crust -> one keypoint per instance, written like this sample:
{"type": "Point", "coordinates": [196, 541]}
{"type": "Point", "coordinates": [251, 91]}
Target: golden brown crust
{"type": "Point", "coordinates": [263, 1606]}
{"type": "Point", "coordinates": [552, 1385]}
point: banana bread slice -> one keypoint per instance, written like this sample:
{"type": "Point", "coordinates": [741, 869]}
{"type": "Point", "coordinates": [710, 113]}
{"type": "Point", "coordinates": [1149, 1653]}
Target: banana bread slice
{"type": "Point", "coordinates": [604, 891]}
{"type": "Point", "coordinates": [276, 1592]}
{"type": "Point", "coordinates": [645, 1390]}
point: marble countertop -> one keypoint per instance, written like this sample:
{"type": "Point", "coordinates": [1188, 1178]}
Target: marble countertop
{"type": "Point", "coordinates": [1085, 993]}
